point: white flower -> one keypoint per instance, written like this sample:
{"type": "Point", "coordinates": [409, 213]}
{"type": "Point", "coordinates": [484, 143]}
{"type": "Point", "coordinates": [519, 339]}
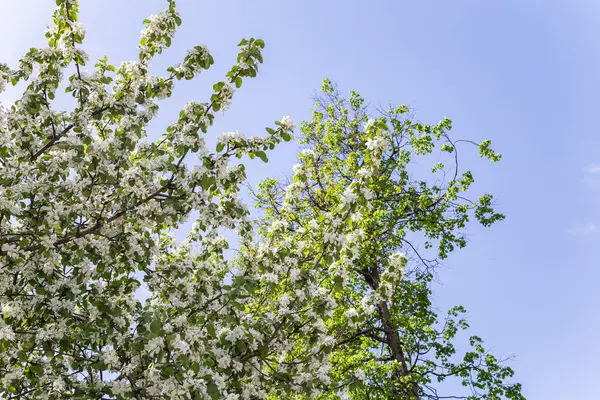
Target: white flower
{"type": "Point", "coordinates": [227, 137]}
{"type": "Point", "coordinates": [225, 96]}
{"type": "Point", "coordinates": [298, 169]}
{"type": "Point", "coordinates": [294, 274]}
{"type": "Point", "coordinates": [224, 361]}
{"type": "Point", "coordinates": [284, 299]}
{"type": "Point", "coordinates": [360, 375]}
{"type": "Point", "coordinates": [154, 345]}
{"type": "Point", "coordinates": [121, 387]}
{"type": "Point", "coordinates": [181, 321]}
{"type": "Point", "coordinates": [397, 263]}
{"type": "Point", "coordinates": [323, 374]}
{"type": "Point", "coordinates": [364, 173]}
{"type": "Point", "coordinates": [329, 237]}
{"type": "Point", "coordinates": [287, 123]}
{"type": "Point", "coordinates": [181, 346]}
{"type": "Point", "coordinates": [349, 196]}
{"type": "Point", "coordinates": [7, 333]}
{"type": "Point", "coordinates": [111, 358]}
{"type": "Point", "coordinates": [376, 144]}
{"type": "Point", "coordinates": [367, 193]}
{"type": "Point", "coordinates": [236, 334]}
{"type": "Point", "coordinates": [59, 385]}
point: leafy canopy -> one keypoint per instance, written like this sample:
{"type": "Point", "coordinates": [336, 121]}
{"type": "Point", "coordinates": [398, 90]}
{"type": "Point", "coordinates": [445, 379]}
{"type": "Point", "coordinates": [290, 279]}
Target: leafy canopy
{"type": "Point", "coordinates": [318, 301]}
{"type": "Point", "coordinates": [354, 210]}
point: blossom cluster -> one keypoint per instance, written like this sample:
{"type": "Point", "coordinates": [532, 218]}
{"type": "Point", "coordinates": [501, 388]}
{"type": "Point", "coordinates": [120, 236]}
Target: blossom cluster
{"type": "Point", "coordinates": [301, 309]}
{"type": "Point", "coordinates": [86, 207]}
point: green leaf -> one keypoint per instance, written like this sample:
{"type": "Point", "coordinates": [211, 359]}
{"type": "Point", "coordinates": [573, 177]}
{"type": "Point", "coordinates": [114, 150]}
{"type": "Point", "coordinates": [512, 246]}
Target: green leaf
{"type": "Point", "coordinates": [262, 155]}
{"type": "Point", "coordinates": [264, 353]}
{"type": "Point", "coordinates": [210, 328]}
{"type": "Point", "coordinates": [213, 391]}
{"type": "Point", "coordinates": [156, 326]}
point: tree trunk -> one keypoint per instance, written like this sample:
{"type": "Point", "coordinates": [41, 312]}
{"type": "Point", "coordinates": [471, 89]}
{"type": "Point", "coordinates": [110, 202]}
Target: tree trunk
{"type": "Point", "coordinates": [392, 336]}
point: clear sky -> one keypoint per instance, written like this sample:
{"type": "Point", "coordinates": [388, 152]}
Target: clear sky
{"type": "Point", "coordinates": [524, 73]}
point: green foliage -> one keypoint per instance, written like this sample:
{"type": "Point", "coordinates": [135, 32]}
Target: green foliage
{"type": "Point", "coordinates": [323, 304]}
{"type": "Point", "coordinates": [354, 184]}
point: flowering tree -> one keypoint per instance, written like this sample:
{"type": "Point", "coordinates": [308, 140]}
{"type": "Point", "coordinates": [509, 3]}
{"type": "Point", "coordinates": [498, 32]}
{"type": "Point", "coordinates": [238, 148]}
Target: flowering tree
{"type": "Point", "coordinates": [354, 210]}
{"type": "Point", "coordinates": [87, 209]}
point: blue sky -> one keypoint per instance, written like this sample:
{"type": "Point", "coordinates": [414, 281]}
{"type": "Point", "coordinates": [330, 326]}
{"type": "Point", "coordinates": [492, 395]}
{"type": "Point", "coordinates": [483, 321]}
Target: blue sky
{"type": "Point", "coordinates": [524, 73]}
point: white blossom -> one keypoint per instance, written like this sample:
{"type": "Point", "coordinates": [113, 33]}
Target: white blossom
{"type": "Point", "coordinates": [288, 123]}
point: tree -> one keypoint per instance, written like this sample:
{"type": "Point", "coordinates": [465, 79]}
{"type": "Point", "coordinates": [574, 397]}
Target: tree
{"type": "Point", "coordinates": [352, 208]}
{"type": "Point", "coordinates": [88, 205]}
